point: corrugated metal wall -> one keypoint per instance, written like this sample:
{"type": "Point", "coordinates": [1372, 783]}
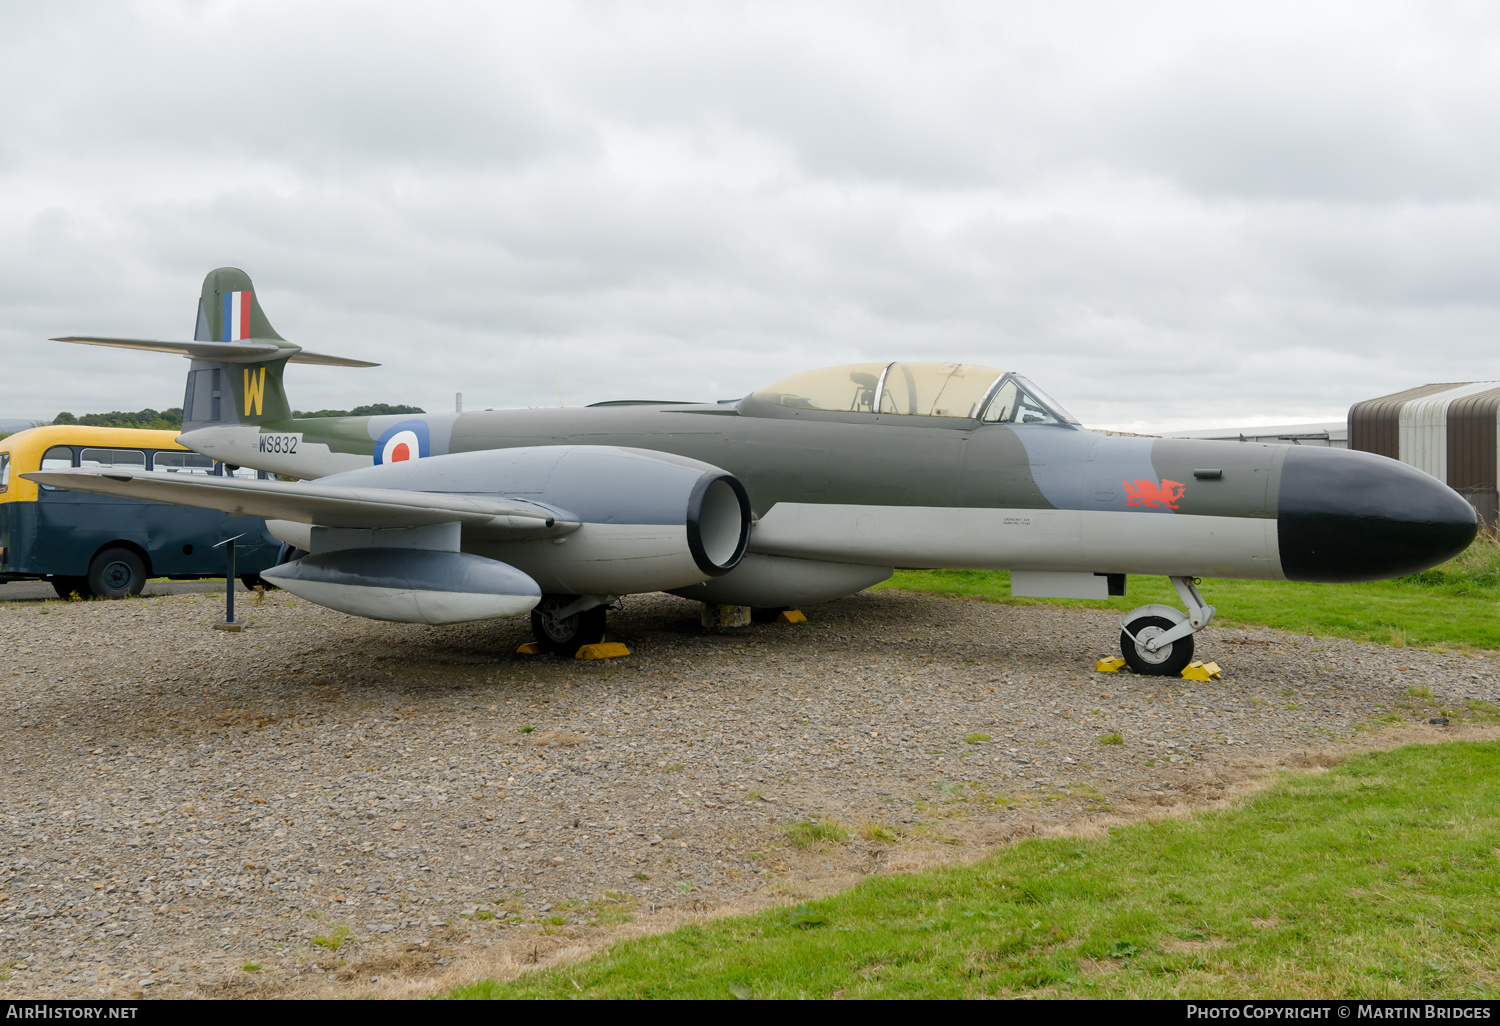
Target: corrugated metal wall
{"type": "Point", "coordinates": [1375, 424]}
{"type": "Point", "coordinates": [1473, 457]}
{"type": "Point", "coordinates": [1447, 430]}
{"type": "Point", "coordinates": [1424, 428]}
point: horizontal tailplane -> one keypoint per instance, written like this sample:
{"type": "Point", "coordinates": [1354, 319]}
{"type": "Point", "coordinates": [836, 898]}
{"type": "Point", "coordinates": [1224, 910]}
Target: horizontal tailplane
{"type": "Point", "coordinates": [246, 351]}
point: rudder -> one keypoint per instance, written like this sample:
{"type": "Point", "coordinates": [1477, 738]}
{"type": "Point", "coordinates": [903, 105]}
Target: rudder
{"type": "Point", "coordinates": [228, 310]}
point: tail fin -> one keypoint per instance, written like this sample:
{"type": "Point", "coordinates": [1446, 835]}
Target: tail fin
{"type": "Point", "coordinates": [240, 390]}
{"type": "Point", "coordinates": [228, 310]}
{"type": "Point", "coordinates": [238, 358]}
{"type": "Point", "coordinates": [234, 393]}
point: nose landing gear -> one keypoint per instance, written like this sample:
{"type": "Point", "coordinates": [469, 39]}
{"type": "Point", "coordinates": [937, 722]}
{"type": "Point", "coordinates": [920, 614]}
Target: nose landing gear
{"type": "Point", "coordinates": [1156, 640]}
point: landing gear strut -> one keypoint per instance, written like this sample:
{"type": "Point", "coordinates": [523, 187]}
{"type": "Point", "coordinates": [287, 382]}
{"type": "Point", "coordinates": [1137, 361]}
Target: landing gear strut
{"type": "Point", "coordinates": [1157, 641]}
{"type": "Point", "coordinates": [562, 624]}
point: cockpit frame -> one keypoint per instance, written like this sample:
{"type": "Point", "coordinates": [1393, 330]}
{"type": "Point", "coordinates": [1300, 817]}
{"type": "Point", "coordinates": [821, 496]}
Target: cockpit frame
{"type": "Point", "coordinates": [1032, 392]}
{"type": "Point", "coordinates": [929, 392]}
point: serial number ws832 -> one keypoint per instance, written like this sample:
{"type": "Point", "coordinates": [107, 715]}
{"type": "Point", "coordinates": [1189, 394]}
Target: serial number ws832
{"type": "Point", "coordinates": [283, 444]}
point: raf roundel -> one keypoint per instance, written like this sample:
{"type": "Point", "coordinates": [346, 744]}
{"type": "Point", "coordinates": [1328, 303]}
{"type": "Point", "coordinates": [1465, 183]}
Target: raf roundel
{"type": "Point", "coordinates": [402, 446]}
{"type": "Point", "coordinates": [402, 442]}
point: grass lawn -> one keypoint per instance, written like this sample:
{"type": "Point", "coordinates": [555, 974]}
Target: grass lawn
{"type": "Point", "coordinates": [1453, 605]}
{"type": "Point", "coordinates": [1378, 879]}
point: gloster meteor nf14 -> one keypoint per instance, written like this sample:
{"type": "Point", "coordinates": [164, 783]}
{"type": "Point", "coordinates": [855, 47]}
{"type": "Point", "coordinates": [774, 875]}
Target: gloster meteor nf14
{"type": "Point", "coordinates": [814, 487]}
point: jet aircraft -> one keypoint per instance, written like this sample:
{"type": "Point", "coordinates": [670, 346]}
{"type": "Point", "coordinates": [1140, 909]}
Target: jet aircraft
{"type": "Point", "coordinates": [811, 488]}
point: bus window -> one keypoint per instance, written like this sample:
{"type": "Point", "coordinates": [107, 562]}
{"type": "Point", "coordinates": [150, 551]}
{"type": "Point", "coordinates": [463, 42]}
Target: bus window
{"type": "Point", "coordinates": [4, 471]}
{"type": "Point", "coordinates": [183, 463]}
{"type": "Point", "coordinates": [113, 458]}
{"type": "Point", "coordinates": [59, 457]}
{"type": "Point", "coordinates": [244, 473]}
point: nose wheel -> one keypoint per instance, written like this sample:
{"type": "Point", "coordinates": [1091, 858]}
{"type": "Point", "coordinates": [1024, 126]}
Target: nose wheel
{"type": "Point", "coordinates": [1138, 635]}
{"type": "Point", "coordinates": [1157, 641]}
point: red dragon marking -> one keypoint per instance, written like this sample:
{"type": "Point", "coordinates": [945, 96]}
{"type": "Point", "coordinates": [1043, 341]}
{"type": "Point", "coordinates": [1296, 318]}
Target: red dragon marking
{"type": "Point", "coordinates": [1149, 493]}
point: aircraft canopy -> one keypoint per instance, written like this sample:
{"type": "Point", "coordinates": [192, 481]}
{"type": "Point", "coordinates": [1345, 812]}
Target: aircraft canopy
{"type": "Point", "coordinates": [916, 389]}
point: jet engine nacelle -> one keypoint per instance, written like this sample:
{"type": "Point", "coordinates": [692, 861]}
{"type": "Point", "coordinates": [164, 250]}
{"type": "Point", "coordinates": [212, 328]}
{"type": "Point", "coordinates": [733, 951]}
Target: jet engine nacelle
{"type": "Point", "coordinates": [628, 520]}
{"type": "Point", "coordinates": [648, 521]}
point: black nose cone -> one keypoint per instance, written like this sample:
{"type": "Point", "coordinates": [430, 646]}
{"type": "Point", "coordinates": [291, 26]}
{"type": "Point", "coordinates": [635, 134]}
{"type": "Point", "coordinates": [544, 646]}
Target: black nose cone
{"type": "Point", "coordinates": [1355, 516]}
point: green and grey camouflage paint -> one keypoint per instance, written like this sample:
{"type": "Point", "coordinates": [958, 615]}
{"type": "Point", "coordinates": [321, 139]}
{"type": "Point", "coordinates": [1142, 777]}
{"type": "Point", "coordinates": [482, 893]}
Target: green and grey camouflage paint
{"type": "Point", "coordinates": [881, 490]}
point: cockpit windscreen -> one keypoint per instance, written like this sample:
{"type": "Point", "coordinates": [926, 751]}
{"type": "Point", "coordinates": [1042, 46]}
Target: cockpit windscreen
{"type": "Point", "coordinates": [911, 388]}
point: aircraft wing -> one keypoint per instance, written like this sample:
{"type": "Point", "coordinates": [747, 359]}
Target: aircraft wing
{"type": "Point", "coordinates": [312, 503]}
{"type": "Point", "coordinates": [244, 351]}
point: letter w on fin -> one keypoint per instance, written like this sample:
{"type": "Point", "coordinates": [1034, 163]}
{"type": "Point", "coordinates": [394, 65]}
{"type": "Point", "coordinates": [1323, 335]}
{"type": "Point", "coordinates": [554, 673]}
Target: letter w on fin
{"type": "Point", "coordinates": [255, 389]}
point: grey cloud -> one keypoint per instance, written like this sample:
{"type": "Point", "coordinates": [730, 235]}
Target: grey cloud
{"type": "Point", "coordinates": [1313, 122]}
{"type": "Point", "coordinates": [321, 88]}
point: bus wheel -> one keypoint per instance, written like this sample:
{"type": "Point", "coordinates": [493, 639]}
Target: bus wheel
{"type": "Point", "coordinates": [116, 574]}
{"type": "Point", "coordinates": [67, 587]}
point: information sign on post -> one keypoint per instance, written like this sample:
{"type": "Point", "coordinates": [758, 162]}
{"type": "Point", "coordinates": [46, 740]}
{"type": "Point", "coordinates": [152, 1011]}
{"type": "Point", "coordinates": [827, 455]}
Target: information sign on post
{"type": "Point", "coordinates": [230, 623]}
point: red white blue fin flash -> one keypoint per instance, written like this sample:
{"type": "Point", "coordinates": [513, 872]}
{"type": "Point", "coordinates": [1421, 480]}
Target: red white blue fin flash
{"type": "Point", "coordinates": [236, 316]}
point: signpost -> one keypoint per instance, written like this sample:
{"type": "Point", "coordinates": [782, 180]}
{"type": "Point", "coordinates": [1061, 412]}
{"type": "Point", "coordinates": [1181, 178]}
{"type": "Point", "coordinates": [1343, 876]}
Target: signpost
{"type": "Point", "coordinates": [230, 623]}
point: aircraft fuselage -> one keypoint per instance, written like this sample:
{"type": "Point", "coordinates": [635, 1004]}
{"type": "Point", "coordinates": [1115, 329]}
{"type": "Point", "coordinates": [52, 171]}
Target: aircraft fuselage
{"type": "Point", "coordinates": [886, 489]}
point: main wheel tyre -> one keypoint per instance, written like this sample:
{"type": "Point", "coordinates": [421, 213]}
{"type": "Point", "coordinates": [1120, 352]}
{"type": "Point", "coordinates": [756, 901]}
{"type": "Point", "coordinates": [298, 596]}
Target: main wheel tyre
{"type": "Point", "coordinates": [564, 636]}
{"type": "Point", "coordinates": [67, 587]}
{"type": "Point", "coordinates": [116, 574]}
{"type": "Point", "coordinates": [1166, 661]}
{"type": "Point", "coordinates": [253, 581]}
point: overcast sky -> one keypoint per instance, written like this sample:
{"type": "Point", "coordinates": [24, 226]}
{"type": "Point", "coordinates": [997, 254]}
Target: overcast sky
{"type": "Point", "coordinates": [1168, 215]}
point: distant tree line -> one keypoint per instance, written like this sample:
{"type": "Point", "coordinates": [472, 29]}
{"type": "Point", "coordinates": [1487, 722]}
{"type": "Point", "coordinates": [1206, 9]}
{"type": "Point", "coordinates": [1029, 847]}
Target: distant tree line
{"type": "Point", "coordinates": [373, 410]}
{"type": "Point", "coordinates": [151, 420]}
{"type": "Point", "coordinates": [171, 420]}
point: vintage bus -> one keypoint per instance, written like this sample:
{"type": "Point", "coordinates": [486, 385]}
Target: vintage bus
{"type": "Point", "coordinates": [99, 547]}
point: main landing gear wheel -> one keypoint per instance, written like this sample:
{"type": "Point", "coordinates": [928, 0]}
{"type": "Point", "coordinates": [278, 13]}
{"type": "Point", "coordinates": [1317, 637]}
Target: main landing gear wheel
{"type": "Point", "coordinates": [1167, 661]}
{"type": "Point", "coordinates": [116, 574]}
{"type": "Point", "coordinates": [565, 635]}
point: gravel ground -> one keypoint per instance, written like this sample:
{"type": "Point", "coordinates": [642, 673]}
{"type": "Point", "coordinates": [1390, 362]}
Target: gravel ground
{"type": "Point", "coordinates": [41, 591]}
{"type": "Point", "coordinates": [329, 805]}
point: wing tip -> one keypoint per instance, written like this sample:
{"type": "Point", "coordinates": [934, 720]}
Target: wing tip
{"type": "Point", "coordinates": [326, 360]}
